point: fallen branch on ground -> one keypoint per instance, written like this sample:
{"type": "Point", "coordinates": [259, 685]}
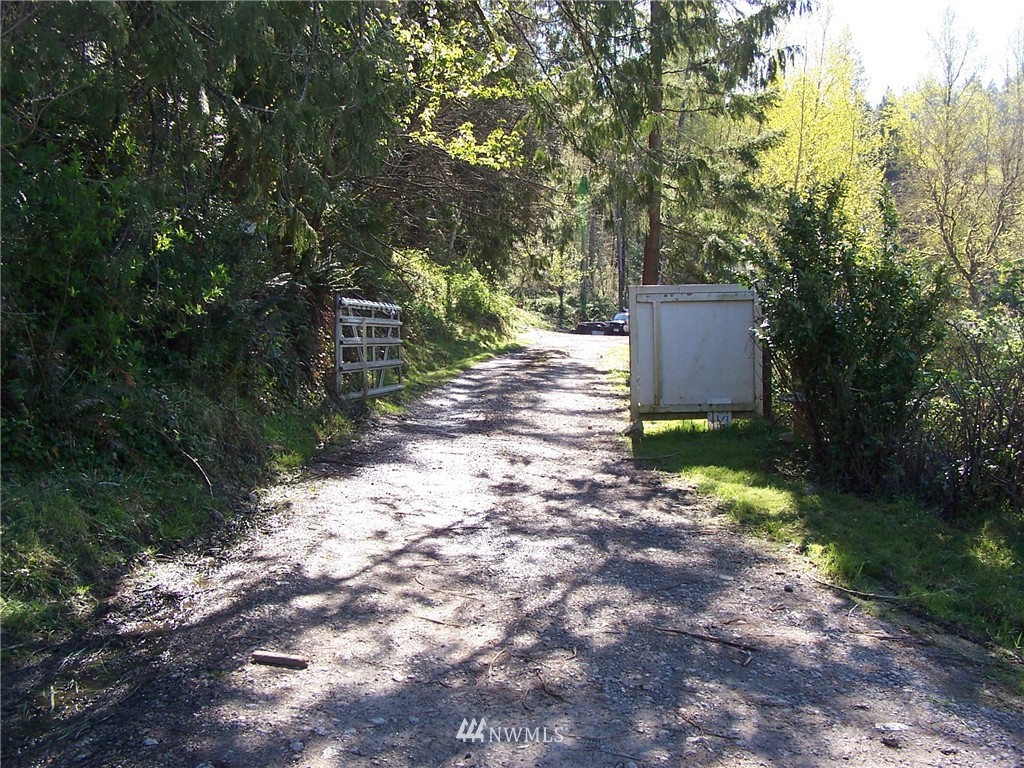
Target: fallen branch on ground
{"type": "Point", "coordinates": [634, 758]}
{"type": "Point", "coordinates": [541, 659]}
{"type": "Point", "coordinates": [707, 638]}
{"type": "Point", "coordinates": [490, 664]}
{"type": "Point", "coordinates": [443, 623]}
{"type": "Point", "coordinates": [338, 461]}
{"type": "Point", "coordinates": [543, 688]}
{"type": "Point", "coordinates": [895, 638]}
{"type": "Point", "coordinates": [190, 457]}
{"type": "Point", "coordinates": [656, 458]}
{"type": "Point", "coordinates": [442, 591]}
{"type": "Point", "coordinates": [275, 659]}
{"type": "Point", "coordinates": [854, 592]}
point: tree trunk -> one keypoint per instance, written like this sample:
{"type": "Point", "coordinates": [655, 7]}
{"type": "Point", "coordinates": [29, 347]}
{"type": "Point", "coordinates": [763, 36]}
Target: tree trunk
{"type": "Point", "coordinates": [584, 267]}
{"type": "Point", "coordinates": [620, 251]}
{"type": "Point", "coordinates": [652, 241]}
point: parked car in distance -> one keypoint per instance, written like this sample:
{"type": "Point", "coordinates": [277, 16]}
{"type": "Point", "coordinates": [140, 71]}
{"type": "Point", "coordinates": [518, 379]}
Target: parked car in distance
{"type": "Point", "coordinates": [592, 327]}
{"type": "Point", "coordinates": [619, 324]}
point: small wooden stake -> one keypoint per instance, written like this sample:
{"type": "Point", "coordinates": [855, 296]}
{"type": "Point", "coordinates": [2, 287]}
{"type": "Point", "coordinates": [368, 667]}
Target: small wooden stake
{"type": "Point", "coordinates": [274, 659]}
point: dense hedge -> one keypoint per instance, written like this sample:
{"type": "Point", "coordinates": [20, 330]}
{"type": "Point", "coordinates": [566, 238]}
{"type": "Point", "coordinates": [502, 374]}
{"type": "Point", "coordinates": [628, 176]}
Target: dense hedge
{"type": "Point", "coordinates": [185, 186]}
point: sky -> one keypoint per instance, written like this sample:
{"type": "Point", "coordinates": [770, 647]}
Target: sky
{"type": "Point", "coordinates": [892, 36]}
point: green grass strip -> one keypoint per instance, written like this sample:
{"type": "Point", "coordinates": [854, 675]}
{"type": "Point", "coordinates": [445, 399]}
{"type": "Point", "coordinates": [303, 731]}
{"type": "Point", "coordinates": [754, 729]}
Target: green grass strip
{"type": "Point", "coordinates": [970, 578]}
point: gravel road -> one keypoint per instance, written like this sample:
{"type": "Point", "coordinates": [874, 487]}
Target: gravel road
{"type": "Point", "coordinates": [493, 565]}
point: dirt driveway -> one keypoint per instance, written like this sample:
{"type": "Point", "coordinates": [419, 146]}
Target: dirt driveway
{"type": "Point", "coordinates": [494, 565]}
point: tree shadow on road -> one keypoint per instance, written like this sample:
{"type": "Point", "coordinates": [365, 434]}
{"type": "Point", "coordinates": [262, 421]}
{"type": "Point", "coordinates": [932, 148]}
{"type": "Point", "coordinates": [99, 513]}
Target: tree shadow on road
{"type": "Point", "coordinates": [543, 598]}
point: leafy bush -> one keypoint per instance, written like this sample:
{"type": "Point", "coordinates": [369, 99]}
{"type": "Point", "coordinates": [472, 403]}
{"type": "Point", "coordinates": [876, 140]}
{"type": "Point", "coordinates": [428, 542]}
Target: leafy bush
{"type": "Point", "coordinates": [547, 306]}
{"type": "Point", "coordinates": [567, 311]}
{"type": "Point", "coordinates": [850, 329]}
{"type": "Point", "coordinates": [970, 447]}
{"type": "Point", "coordinates": [446, 301]}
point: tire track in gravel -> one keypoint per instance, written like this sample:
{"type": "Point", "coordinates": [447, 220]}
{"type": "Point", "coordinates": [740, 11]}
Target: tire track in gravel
{"type": "Point", "coordinates": [495, 553]}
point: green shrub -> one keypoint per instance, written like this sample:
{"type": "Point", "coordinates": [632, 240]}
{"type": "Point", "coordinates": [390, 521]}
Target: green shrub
{"type": "Point", "coordinates": [445, 302]}
{"type": "Point", "coordinates": [850, 329]}
{"type": "Point", "coordinates": [547, 306]}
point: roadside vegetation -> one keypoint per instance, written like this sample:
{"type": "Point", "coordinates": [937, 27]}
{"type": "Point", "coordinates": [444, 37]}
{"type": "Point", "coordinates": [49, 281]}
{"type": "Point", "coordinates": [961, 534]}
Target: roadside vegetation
{"type": "Point", "coordinates": [69, 532]}
{"type": "Point", "coordinates": [965, 576]}
{"type": "Point", "coordinates": [185, 190]}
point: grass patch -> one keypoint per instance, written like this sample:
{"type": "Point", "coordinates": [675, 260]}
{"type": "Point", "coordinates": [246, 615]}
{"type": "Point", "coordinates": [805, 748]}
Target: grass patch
{"type": "Point", "coordinates": [295, 434]}
{"type": "Point", "coordinates": [292, 437]}
{"type": "Point", "coordinates": [969, 578]}
{"type": "Point", "coordinates": [617, 358]}
{"type": "Point", "coordinates": [64, 533]}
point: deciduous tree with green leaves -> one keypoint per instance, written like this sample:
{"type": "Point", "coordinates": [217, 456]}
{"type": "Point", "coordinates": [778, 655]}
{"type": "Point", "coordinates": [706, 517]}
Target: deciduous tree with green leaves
{"type": "Point", "coordinates": [960, 154]}
{"type": "Point", "coordinates": [827, 132]}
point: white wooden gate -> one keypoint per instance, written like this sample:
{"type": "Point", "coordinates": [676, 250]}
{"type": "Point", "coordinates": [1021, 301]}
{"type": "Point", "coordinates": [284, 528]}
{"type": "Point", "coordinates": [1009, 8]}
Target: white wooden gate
{"type": "Point", "coordinates": [367, 349]}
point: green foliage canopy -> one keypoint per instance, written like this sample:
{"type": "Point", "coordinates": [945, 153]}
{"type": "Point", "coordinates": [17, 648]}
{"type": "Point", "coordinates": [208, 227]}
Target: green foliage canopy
{"type": "Point", "coordinates": [185, 184]}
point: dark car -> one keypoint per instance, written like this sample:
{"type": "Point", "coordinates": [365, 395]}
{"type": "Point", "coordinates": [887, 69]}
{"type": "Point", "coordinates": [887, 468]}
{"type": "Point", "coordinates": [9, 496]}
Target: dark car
{"type": "Point", "coordinates": [619, 324]}
{"type": "Point", "coordinates": [592, 327]}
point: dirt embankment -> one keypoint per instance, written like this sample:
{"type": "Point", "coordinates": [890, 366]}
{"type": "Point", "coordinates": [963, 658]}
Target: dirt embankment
{"type": "Point", "coordinates": [491, 580]}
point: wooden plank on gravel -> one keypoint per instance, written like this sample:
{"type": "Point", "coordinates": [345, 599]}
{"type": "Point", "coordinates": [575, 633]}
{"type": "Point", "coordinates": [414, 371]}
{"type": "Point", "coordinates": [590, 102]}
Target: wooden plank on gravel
{"type": "Point", "coordinates": [274, 659]}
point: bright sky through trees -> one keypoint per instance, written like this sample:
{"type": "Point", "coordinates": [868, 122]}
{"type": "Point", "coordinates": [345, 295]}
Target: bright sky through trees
{"type": "Point", "coordinates": [893, 37]}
